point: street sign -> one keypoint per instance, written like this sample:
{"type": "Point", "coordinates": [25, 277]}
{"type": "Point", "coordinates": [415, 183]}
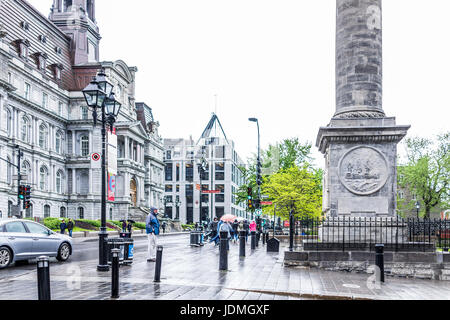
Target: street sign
{"type": "Point", "coordinates": [22, 177]}
{"type": "Point", "coordinates": [211, 191]}
{"type": "Point", "coordinates": [258, 212]}
{"type": "Point", "coordinates": [95, 161]}
{"type": "Point", "coordinates": [264, 196]}
{"type": "Point", "coordinates": [266, 203]}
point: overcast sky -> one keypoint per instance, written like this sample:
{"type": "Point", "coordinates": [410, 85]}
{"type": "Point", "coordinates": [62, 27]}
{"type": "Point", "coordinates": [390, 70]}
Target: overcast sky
{"type": "Point", "coordinates": [270, 59]}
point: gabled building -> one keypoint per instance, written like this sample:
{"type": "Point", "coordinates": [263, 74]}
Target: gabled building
{"type": "Point", "coordinates": [45, 63]}
{"type": "Point", "coordinates": [183, 180]}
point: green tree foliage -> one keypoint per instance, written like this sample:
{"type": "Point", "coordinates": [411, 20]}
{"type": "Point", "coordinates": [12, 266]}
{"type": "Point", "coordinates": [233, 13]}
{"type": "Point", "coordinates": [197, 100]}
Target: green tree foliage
{"type": "Point", "coordinates": [427, 172]}
{"type": "Point", "coordinates": [295, 188]}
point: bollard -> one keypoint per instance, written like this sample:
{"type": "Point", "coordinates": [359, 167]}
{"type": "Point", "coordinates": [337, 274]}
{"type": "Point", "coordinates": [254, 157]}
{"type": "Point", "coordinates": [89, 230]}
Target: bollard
{"type": "Point", "coordinates": [264, 238]}
{"type": "Point", "coordinates": [115, 273]}
{"type": "Point", "coordinates": [159, 252]}
{"type": "Point", "coordinates": [43, 277]}
{"type": "Point", "coordinates": [223, 257]}
{"type": "Point", "coordinates": [257, 238]}
{"type": "Point", "coordinates": [242, 235]}
{"type": "Point", "coordinates": [379, 260]}
{"type": "Point", "coordinates": [253, 240]}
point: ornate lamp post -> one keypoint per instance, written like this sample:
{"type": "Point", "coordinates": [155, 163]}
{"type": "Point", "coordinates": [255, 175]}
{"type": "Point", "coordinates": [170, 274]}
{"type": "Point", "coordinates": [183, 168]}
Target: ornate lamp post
{"type": "Point", "coordinates": [100, 98]}
{"type": "Point", "coordinates": [258, 167]}
{"type": "Point", "coordinates": [201, 163]}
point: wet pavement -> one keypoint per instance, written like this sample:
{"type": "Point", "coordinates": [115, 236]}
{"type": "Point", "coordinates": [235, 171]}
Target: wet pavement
{"type": "Point", "coordinates": [190, 273]}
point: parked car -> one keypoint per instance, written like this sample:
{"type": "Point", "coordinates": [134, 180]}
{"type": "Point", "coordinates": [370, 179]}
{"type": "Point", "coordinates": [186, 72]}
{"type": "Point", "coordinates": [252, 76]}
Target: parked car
{"type": "Point", "coordinates": [24, 240]}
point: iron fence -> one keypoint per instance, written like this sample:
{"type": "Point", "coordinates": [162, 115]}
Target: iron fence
{"type": "Point", "coordinates": [363, 233]}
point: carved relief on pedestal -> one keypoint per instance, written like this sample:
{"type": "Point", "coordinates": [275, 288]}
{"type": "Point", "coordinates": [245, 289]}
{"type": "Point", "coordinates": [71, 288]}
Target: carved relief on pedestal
{"type": "Point", "coordinates": [363, 170]}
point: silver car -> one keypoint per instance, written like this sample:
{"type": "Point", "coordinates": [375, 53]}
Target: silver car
{"type": "Point", "coordinates": [23, 240]}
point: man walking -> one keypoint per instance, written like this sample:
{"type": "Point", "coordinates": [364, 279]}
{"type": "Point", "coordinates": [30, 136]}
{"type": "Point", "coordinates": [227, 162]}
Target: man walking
{"type": "Point", "coordinates": [152, 229]}
{"type": "Point", "coordinates": [70, 227]}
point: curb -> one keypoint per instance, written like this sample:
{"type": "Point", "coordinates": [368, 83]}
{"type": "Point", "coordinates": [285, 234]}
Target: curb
{"type": "Point", "coordinates": [94, 238]}
{"type": "Point", "coordinates": [308, 295]}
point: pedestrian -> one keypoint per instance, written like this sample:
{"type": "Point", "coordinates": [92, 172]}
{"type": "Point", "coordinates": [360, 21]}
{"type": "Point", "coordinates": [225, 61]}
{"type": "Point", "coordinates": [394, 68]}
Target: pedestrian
{"type": "Point", "coordinates": [164, 226]}
{"type": "Point", "coordinates": [70, 227]}
{"type": "Point", "coordinates": [152, 229]}
{"type": "Point", "coordinates": [216, 238]}
{"type": "Point", "coordinates": [130, 227]}
{"type": "Point", "coordinates": [63, 226]}
{"type": "Point", "coordinates": [235, 230]}
{"type": "Point", "coordinates": [226, 227]}
{"type": "Point", "coordinates": [124, 226]}
{"type": "Point", "coordinates": [246, 228]}
{"type": "Point", "coordinates": [252, 226]}
{"type": "Point", "coordinates": [213, 229]}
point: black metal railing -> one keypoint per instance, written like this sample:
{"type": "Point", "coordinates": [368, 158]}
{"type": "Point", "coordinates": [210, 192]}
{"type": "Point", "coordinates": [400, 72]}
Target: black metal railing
{"type": "Point", "coordinates": [362, 234]}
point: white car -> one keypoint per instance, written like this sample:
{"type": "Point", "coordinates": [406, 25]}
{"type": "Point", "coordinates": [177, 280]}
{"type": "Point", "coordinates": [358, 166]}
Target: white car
{"type": "Point", "coordinates": [24, 240]}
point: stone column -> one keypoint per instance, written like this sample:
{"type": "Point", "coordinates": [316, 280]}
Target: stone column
{"type": "Point", "coordinates": [359, 69]}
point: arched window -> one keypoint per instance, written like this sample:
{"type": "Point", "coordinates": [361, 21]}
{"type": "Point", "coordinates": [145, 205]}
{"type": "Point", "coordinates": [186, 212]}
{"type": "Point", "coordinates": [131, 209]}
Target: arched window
{"type": "Point", "coordinates": [10, 204]}
{"type": "Point", "coordinates": [62, 212]}
{"type": "Point", "coordinates": [80, 213]}
{"type": "Point", "coordinates": [43, 178]}
{"type": "Point", "coordinates": [59, 182]}
{"type": "Point", "coordinates": [85, 146]}
{"type": "Point", "coordinates": [26, 169]}
{"type": "Point", "coordinates": [46, 211]}
{"type": "Point", "coordinates": [58, 143]}
{"type": "Point", "coordinates": [43, 135]}
{"type": "Point", "coordinates": [25, 129]}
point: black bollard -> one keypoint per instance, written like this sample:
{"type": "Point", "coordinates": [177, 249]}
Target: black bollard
{"type": "Point", "coordinates": [115, 273]}
{"type": "Point", "coordinates": [159, 252]}
{"type": "Point", "coordinates": [264, 238]}
{"type": "Point", "coordinates": [253, 240]}
{"type": "Point", "coordinates": [257, 238]}
{"type": "Point", "coordinates": [242, 235]}
{"type": "Point", "coordinates": [43, 277]}
{"type": "Point", "coordinates": [223, 257]}
{"type": "Point", "coordinates": [379, 260]}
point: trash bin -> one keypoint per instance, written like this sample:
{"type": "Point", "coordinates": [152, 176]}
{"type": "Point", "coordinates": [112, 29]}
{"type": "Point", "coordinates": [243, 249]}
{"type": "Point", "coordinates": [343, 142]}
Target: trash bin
{"type": "Point", "coordinates": [116, 244]}
{"type": "Point", "coordinates": [128, 251]}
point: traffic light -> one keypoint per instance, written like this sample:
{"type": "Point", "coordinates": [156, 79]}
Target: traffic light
{"type": "Point", "coordinates": [257, 204]}
{"type": "Point", "coordinates": [250, 198]}
{"type": "Point", "coordinates": [21, 192]}
{"type": "Point", "coordinates": [27, 202]}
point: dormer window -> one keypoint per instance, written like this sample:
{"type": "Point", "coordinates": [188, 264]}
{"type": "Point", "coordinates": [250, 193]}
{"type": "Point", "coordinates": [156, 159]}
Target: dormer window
{"type": "Point", "coordinates": [57, 70]}
{"type": "Point", "coordinates": [25, 25]}
{"type": "Point", "coordinates": [22, 48]}
{"type": "Point", "coordinates": [43, 39]}
{"type": "Point", "coordinates": [41, 60]}
{"type": "Point", "coordinates": [67, 5]}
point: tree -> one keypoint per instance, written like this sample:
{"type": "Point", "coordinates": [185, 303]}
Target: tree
{"type": "Point", "coordinates": [427, 171]}
{"type": "Point", "coordinates": [297, 188]}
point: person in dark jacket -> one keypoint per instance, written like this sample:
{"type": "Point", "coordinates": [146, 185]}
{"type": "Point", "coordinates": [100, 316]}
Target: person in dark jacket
{"type": "Point", "coordinates": [124, 226]}
{"type": "Point", "coordinates": [235, 226]}
{"type": "Point", "coordinates": [130, 227]}
{"type": "Point", "coordinates": [63, 227]}
{"type": "Point", "coordinates": [152, 229]}
{"type": "Point", "coordinates": [70, 227]}
{"type": "Point", "coordinates": [246, 227]}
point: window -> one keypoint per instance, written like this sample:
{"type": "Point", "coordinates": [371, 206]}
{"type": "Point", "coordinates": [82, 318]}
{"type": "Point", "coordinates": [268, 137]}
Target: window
{"type": "Point", "coordinates": [84, 113]}
{"type": "Point", "coordinates": [58, 142]}
{"type": "Point", "coordinates": [169, 172]}
{"type": "Point", "coordinates": [189, 172]}
{"type": "Point", "coordinates": [8, 122]}
{"type": "Point", "coordinates": [27, 91]}
{"type": "Point", "coordinates": [401, 194]}
{"type": "Point", "coordinates": [220, 171]}
{"type": "Point", "coordinates": [25, 129]}
{"type": "Point", "coordinates": [43, 134]}
{"type": "Point", "coordinates": [44, 100]}
{"type": "Point", "coordinates": [85, 146]}
{"type": "Point", "coordinates": [23, 50]}
{"type": "Point", "coordinates": [62, 212]}
{"type": "Point", "coordinates": [80, 213]}
{"type": "Point", "coordinates": [35, 228]}
{"type": "Point", "coordinates": [43, 178]}
{"type": "Point", "coordinates": [46, 211]}
{"type": "Point", "coordinates": [220, 152]}
{"type": "Point", "coordinates": [169, 188]}
{"type": "Point", "coordinates": [59, 179]}
{"type": "Point", "coordinates": [67, 5]}
{"type": "Point", "coordinates": [16, 227]}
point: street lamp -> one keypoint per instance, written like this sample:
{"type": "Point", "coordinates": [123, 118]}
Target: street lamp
{"type": "Point", "coordinates": [258, 166]}
{"type": "Point", "coordinates": [418, 209]}
{"type": "Point", "coordinates": [201, 163]}
{"type": "Point", "coordinates": [98, 95]}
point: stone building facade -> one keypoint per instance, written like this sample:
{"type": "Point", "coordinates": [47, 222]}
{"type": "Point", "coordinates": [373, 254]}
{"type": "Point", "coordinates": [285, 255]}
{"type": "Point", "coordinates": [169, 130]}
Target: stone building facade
{"type": "Point", "coordinates": [44, 65]}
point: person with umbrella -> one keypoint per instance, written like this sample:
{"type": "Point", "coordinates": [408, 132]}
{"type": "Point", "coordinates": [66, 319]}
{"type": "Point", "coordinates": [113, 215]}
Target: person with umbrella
{"type": "Point", "coordinates": [124, 225]}
{"type": "Point", "coordinates": [152, 229]}
{"type": "Point", "coordinates": [130, 226]}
